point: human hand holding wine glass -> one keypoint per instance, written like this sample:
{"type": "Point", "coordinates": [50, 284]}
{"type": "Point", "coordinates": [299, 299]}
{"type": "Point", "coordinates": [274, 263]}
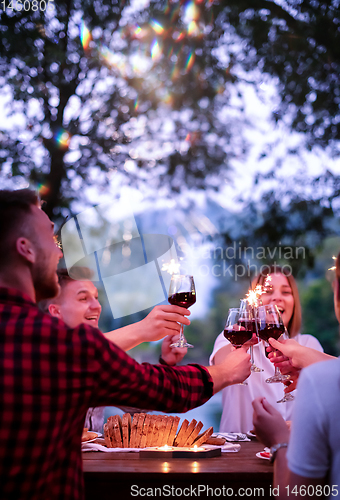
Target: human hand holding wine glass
{"type": "Point", "coordinates": [239, 328]}
{"type": "Point", "coordinates": [182, 293]}
{"type": "Point", "coordinates": [270, 325]}
{"type": "Point", "coordinates": [246, 306]}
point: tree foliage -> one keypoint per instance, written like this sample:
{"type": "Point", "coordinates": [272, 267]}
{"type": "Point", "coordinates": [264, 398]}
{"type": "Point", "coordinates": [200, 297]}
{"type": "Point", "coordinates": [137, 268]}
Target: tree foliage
{"type": "Point", "coordinates": [154, 95]}
{"type": "Point", "coordinates": [298, 42]}
{"type": "Point", "coordinates": [101, 103]}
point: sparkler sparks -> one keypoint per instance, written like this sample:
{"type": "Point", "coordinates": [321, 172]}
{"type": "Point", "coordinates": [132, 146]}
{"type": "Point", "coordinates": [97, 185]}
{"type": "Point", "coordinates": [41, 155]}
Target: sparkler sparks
{"type": "Point", "coordinates": [172, 267]}
{"type": "Point", "coordinates": [253, 295]}
{"type": "Point", "coordinates": [267, 286]}
{"type": "Point", "coordinates": [333, 267]}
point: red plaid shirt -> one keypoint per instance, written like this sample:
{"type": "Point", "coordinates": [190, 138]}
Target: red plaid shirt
{"type": "Point", "coordinates": [49, 375]}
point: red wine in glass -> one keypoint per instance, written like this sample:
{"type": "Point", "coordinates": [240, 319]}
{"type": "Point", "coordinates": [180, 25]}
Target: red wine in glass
{"type": "Point", "coordinates": [182, 299]}
{"type": "Point", "coordinates": [270, 330]}
{"type": "Point", "coordinates": [182, 293]}
{"type": "Point", "coordinates": [238, 337]}
{"type": "Point", "coordinates": [271, 325]}
{"type": "Point", "coordinates": [239, 328]}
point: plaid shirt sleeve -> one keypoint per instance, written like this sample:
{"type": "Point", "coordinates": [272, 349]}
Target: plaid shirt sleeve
{"type": "Point", "coordinates": [114, 378]}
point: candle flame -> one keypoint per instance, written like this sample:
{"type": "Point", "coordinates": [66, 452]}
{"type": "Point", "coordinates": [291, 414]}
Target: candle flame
{"type": "Point", "coordinates": [172, 267]}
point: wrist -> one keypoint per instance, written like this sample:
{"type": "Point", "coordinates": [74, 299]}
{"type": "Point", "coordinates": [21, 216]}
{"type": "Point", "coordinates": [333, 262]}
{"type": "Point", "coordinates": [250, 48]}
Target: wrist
{"type": "Point", "coordinates": [274, 449]}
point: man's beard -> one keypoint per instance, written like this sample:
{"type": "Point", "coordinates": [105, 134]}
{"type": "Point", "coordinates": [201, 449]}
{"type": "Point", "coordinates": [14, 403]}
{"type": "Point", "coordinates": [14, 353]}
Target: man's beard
{"type": "Point", "coordinates": [44, 281]}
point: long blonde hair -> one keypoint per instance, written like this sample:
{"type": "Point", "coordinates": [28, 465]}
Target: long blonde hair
{"type": "Point", "coordinates": [294, 324]}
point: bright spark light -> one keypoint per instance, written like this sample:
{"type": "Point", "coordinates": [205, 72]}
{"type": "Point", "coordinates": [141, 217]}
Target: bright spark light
{"type": "Point", "coordinates": [333, 267]}
{"type": "Point", "coordinates": [172, 267]}
{"type": "Point", "coordinates": [253, 295]}
{"type": "Point", "coordinates": [267, 286]}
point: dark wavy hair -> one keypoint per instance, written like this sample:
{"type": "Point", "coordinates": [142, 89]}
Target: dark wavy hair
{"type": "Point", "coordinates": [14, 213]}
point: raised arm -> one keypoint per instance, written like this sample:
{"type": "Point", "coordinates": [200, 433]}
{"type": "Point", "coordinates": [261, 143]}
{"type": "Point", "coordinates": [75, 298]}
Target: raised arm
{"type": "Point", "coordinates": [161, 321]}
{"type": "Point", "coordinates": [232, 369]}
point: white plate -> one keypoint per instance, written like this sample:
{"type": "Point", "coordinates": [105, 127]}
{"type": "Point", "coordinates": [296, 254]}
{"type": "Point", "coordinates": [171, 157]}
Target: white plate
{"type": "Point", "coordinates": [93, 439]}
{"type": "Point", "coordinates": [259, 455]}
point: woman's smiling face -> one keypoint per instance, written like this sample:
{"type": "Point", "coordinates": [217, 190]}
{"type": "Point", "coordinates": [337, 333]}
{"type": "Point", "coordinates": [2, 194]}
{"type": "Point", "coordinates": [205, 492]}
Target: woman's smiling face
{"type": "Point", "coordinates": [280, 293]}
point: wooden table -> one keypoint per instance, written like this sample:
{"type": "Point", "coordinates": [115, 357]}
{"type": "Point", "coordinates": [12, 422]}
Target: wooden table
{"type": "Point", "coordinates": [121, 476]}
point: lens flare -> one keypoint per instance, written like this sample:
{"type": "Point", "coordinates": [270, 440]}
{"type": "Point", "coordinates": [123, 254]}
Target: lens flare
{"type": "Point", "coordinates": [42, 189]}
{"type": "Point", "coordinates": [193, 29]}
{"type": "Point", "coordinates": [138, 31]}
{"type": "Point", "coordinates": [191, 12]}
{"type": "Point", "coordinates": [62, 138]}
{"type": "Point", "coordinates": [178, 37]}
{"type": "Point", "coordinates": [158, 28]}
{"type": "Point", "coordinates": [175, 73]}
{"type": "Point", "coordinates": [190, 61]}
{"type": "Point", "coordinates": [155, 50]}
{"type": "Point", "coordinates": [85, 35]}
{"type": "Point", "coordinates": [168, 99]}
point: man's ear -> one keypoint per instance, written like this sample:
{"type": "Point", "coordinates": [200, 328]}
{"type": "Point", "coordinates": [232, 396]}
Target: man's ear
{"type": "Point", "coordinates": [54, 310]}
{"type": "Point", "coordinates": [26, 249]}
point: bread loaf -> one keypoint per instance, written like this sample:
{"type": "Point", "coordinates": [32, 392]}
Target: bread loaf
{"type": "Point", "coordinates": [147, 430]}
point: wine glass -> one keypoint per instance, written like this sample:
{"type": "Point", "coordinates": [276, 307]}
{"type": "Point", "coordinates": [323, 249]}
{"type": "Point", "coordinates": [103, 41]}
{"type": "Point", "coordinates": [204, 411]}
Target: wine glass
{"type": "Point", "coordinates": [245, 306]}
{"type": "Point", "coordinates": [288, 396]}
{"type": "Point", "coordinates": [239, 328]}
{"type": "Point", "coordinates": [182, 293]}
{"type": "Point", "coordinates": [270, 324]}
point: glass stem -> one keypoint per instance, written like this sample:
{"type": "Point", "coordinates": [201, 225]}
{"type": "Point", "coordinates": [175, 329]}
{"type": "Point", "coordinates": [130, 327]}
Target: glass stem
{"type": "Point", "coordinates": [181, 334]}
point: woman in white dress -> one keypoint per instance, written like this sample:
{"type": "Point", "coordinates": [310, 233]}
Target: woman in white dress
{"type": "Point", "coordinates": [237, 410]}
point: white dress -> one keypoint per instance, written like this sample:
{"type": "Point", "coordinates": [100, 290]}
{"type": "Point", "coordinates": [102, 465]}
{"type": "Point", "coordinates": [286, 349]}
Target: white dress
{"type": "Point", "coordinates": [314, 444]}
{"type": "Point", "coordinates": [237, 410]}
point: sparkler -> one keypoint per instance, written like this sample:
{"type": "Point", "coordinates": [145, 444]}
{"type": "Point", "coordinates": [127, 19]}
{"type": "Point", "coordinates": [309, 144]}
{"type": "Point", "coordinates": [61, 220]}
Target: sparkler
{"type": "Point", "coordinates": [253, 296]}
{"type": "Point", "coordinates": [333, 267]}
{"type": "Point", "coordinates": [172, 267]}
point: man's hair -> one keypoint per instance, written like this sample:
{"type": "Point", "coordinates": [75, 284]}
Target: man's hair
{"type": "Point", "coordinates": [294, 324]}
{"type": "Point", "coordinates": [79, 273]}
{"type": "Point", "coordinates": [14, 210]}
